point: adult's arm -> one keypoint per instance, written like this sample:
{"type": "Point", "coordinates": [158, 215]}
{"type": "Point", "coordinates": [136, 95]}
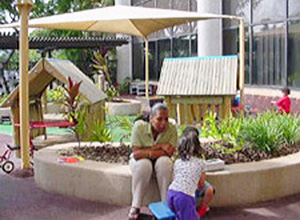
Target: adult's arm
{"type": "Point", "coordinates": [155, 151]}
{"type": "Point", "coordinates": [148, 152]}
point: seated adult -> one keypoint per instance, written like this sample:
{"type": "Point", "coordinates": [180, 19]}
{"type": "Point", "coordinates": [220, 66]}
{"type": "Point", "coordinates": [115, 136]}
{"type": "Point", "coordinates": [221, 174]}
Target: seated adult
{"type": "Point", "coordinates": [153, 142]}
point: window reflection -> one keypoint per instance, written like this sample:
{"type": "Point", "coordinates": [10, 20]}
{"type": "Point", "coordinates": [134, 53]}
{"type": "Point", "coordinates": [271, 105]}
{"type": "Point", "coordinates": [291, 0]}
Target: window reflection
{"type": "Point", "coordinates": [268, 11]}
{"type": "Point", "coordinates": [294, 53]}
{"type": "Point", "coordinates": [294, 8]}
{"type": "Point", "coordinates": [268, 54]}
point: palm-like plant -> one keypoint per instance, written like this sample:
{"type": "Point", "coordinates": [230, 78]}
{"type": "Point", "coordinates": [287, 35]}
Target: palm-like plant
{"type": "Point", "coordinates": [72, 100]}
{"type": "Point", "coordinates": [101, 65]}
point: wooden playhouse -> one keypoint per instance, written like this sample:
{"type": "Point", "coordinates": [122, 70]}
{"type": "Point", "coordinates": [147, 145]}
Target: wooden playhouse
{"type": "Point", "coordinates": [193, 86]}
{"type": "Point", "coordinates": [40, 76]}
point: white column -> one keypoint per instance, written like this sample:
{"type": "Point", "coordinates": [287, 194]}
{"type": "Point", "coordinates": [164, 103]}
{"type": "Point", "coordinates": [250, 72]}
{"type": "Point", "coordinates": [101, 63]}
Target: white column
{"type": "Point", "coordinates": [124, 53]}
{"type": "Point", "coordinates": [210, 32]}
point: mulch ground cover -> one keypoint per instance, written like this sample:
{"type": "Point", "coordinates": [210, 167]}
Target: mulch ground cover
{"type": "Point", "coordinates": [110, 154]}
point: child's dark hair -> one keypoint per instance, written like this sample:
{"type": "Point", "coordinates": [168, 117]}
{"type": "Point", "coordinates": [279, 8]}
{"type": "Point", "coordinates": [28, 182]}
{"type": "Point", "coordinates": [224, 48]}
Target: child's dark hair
{"type": "Point", "coordinates": [189, 144]}
{"type": "Point", "coordinates": [286, 90]}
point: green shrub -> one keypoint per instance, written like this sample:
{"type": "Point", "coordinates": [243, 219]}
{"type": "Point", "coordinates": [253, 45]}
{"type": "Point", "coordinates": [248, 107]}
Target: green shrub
{"type": "Point", "coordinates": [228, 130]}
{"type": "Point", "coordinates": [100, 132]}
{"type": "Point", "coordinates": [270, 130]}
{"type": "Point", "coordinates": [267, 132]}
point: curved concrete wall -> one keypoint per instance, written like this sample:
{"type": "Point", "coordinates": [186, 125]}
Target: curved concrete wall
{"type": "Point", "coordinates": [238, 184]}
{"type": "Point", "coordinates": [247, 183]}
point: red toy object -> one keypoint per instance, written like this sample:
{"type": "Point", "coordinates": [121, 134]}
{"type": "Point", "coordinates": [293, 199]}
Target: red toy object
{"type": "Point", "coordinates": [75, 159]}
{"type": "Point", "coordinates": [202, 211]}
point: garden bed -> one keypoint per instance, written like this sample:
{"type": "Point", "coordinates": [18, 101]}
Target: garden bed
{"type": "Point", "coordinates": [120, 154]}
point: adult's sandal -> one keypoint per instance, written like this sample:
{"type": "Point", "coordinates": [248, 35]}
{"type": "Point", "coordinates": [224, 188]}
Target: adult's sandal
{"type": "Point", "coordinates": [133, 213]}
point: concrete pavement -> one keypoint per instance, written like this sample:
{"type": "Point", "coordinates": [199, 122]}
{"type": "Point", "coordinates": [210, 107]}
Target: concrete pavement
{"type": "Point", "coordinates": [21, 199]}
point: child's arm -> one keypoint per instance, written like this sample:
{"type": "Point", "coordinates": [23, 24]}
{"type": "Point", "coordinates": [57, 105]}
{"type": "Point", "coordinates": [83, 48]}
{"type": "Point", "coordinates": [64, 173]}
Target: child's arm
{"type": "Point", "coordinates": [201, 181]}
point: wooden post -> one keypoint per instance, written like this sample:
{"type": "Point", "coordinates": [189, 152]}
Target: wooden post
{"type": "Point", "coordinates": [180, 114]}
{"type": "Point", "coordinates": [171, 107]}
{"type": "Point", "coordinates": [24, 7]}
{"type": "Point", "coordinates": [227, 106]}
{"type": "Point", "coordinates": [196, 112]}
{"type": "Point", "coordinates": [213, 108]}
{"type": "Point", "coordinates": [189, 114]}
{"type": "Point", "coordinates": [221, 108]}
{"type": "Point", "coordinates": [147, 67]}
{"type": "Point", "coordinates": [44, 101]}
{"type": "Point", "coordinates": [242, 62]}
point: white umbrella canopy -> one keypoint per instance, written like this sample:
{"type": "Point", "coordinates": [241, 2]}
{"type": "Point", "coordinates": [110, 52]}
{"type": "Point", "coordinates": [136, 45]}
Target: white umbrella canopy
{"type": "Point", "coordinates": [137, 21]}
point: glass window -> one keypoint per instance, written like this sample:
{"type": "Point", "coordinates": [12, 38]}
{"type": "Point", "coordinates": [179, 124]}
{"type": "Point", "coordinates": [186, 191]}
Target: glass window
{"type": "Point", "coordinates": [181, 46]}
{"type": "Point", "coordinates": [143, 3]}
{"type": "Point", "coordinates": [294, 54]}
{"type": "Point", "coordinates": [194, 27]}
{"type": "Point", "coordinates": [268, 54]}
{"type": "Point", "coordinates": [193, 6]}
{"type": "Point", "coordinates": [230, 41]}
{"type": "Point", "coordinates": [164, 50]}
{"type": "Point", "coordinates": [181, 29]}
{"type": "Point", "coordinates": [294, 8]}
{"type": "Point", "coordinates": [164, 4]}
{"type": "Point", "coordinates": [238, 8]}
{"type": "Point", "coordinates": [138, 58]}
{"type": "Point", "coordinates": [268, 11]}
{"type": "Point", "coordinates": [152, 61]}
{"type": "Point", "coordinates": [181, 5]}
{"type": "Point", "coordinates": [194, 42]}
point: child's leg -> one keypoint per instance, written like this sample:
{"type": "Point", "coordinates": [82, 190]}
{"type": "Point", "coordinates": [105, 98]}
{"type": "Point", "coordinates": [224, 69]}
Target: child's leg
{"type": "Point", "coordinates": [182, 205]}
{"type": "Point", "coordinates": [203, 198]}
{"type": "Point", "coordinates": [208, 196]}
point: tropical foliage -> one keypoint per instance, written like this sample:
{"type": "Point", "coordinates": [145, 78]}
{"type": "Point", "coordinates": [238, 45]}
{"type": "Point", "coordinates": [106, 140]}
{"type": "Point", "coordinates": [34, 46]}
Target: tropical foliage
{"type": "Point", "coordinates": [266, 132]}
{"type": "Point", "coordinates": [101, 66]}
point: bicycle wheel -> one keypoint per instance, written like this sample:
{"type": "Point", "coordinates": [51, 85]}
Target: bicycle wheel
{"type": "Point", "coordinates": [8, 166]}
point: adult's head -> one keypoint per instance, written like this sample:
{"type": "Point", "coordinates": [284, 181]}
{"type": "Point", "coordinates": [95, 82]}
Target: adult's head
{"type": "Point", "coordinates": [159, 117]}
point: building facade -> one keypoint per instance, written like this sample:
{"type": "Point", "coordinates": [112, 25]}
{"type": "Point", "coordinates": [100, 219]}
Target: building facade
{"type": "Point", "coordinates": [272, 39]}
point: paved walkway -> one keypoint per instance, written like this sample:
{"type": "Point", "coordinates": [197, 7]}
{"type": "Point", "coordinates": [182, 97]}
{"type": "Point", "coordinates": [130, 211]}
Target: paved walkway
{"type": "Point", "coordinates": [21, 199]}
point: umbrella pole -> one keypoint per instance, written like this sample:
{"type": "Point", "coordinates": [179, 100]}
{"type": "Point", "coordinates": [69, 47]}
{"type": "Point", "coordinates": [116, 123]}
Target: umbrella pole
{"type": "Point", "coordinates": [24, 8]}
{"type": "Point", "coordinates": [242, 61]}
{"type": "Point", "coordinates": [147, 68]}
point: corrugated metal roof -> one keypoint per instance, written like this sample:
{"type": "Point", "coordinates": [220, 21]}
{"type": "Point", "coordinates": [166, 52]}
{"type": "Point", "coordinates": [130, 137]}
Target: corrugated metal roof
{"type": "Point", "coordinates": [216, 75]}
{"type": "Point", "coordinates": [46, 70]}
{"type": "Point", "coordinates": [11, 41]}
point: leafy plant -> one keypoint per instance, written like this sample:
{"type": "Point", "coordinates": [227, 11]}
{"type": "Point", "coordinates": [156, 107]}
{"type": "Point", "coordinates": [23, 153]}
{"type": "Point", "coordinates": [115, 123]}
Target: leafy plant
{"type": "Point", "coordinates": [209, 127]}
{"type": "Point", "coordinates": [69, 98]}
{"type": "Point", "coordinates": [81, 126]}
{"type": "Point", "coordinates": [102, 67]}
{"type": "Point", "coordinates": [124, 86]}
{"type": "Point", "coordinates": [100, 132]}
{"type": "Point", "coordinates": [124, 123]}
{"type": "Point", "coordinates": [3, 98]}
{"type": "Point", "coordinates": [268, 131]}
